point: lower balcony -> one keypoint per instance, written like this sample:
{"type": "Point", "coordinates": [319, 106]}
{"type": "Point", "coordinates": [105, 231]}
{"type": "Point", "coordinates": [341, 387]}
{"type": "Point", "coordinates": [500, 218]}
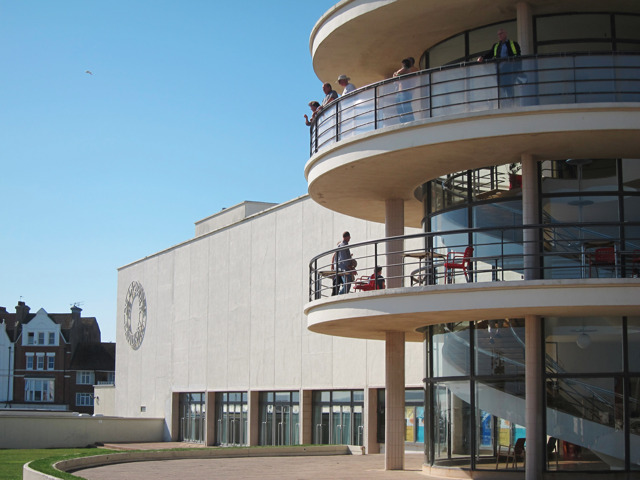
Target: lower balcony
{"type": "Point", "coordinates": [474, 274]}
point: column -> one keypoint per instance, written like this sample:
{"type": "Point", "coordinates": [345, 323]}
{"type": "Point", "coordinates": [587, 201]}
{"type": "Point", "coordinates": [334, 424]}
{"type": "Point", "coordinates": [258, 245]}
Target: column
{"type": "Point", "coordinates": [254, 419]}
{"type": "Point", "coordinates": [524, 21]}
{"type": "Point", "coordinates": [533, 399]}
{"type": "Point", "coordinates": [394, 345]}
{"type": "Point", "coordinates": [394, 401]}
{"type": "Point", "coordinates": [533, 326]}
{"type": "Point", "coordinates": [210, 419]}
{"type": "Point", "coordinates": [175, 417]}
{"type": "Point", "coordinates": [371, 444]}
{"type": "Point", "coordinates": [306, 417]}
{"type": "Point", "coordinates": [394, 226]}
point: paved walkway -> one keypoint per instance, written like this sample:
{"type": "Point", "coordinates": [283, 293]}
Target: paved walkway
{"type": "Point", "coordinates": [352, 467]}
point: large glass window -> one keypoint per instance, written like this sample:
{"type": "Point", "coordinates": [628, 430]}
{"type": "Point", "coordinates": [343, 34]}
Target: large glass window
{"type": "Point", "coordinates": [232, 409]}
{"type": "Point", "coordinates": [589, 394]}
{"type": "Point", "coordinates": [85, 377]}
{"type": "Point", "coordinates": [39, 390]}
{"type": "Point", "coordinates": [338, 417]}
{"type": "Point", "coordinates": [192, 417]}
{"type": "Point", "coordinates": [279, 418]}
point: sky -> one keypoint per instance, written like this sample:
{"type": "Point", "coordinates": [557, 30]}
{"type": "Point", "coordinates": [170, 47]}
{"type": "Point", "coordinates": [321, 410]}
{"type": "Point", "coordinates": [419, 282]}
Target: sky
{"type": "Point", "coordinates": [190, 106]}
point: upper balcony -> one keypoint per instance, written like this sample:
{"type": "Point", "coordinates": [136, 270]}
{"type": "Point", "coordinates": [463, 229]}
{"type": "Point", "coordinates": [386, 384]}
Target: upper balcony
{"type": "Point", "coordinates": [385, 140]}
{"type": "Point", "coordinates": [567, 269]}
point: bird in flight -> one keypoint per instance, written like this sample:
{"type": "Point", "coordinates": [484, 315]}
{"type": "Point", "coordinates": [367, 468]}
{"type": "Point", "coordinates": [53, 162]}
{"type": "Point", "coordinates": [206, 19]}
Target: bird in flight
{"type": "Point", "coordinates": [89, 72]}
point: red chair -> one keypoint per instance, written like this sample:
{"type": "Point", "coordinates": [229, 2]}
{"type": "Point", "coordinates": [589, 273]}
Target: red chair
{"type": "Point", "coordinates": [367, 283]}
{"type": "Point", "coordinates": [460, 260]}
{"type": "Point", "coordinates": [602, 257]}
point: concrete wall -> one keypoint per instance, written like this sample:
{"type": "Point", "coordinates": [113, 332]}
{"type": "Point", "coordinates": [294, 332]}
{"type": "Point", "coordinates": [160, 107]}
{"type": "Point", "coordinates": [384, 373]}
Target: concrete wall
{"type": "Point", "coordinates": [225, 313]}
{"type": "Point", "coordinates": [104, 402]}
{"type": "Point", "coordinates": [68, 430]}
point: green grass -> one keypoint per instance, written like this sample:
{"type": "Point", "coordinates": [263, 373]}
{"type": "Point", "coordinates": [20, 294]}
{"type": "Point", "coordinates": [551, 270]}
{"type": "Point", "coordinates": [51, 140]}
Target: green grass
{"type": "Point", "coordinates": [11, 461]}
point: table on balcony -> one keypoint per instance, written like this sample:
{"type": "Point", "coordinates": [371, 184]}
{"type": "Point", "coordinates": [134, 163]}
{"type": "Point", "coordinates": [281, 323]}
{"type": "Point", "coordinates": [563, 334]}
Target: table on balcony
{"type": "Point", "coordinates": [428, 262]}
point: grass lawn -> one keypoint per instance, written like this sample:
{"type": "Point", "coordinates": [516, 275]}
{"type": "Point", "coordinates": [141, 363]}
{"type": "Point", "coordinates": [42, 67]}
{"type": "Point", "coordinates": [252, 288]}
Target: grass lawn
{"type": "Point", "coordinates": [11, 461]}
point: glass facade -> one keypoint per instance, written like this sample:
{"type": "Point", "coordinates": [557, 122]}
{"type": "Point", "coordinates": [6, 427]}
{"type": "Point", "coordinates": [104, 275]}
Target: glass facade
{"type": "Point", "coordinates": [280, 418]}
{"type": "Point", "coordinates": [476, 394]}
{"type": "Point", "coordinates": [338, 417]}
{"type": "Point", "coordinates": [232, 418]}
{"type": "Point", "coordinates": [192, 417]}
{"type": "Point", "coordinates": [575, 32]}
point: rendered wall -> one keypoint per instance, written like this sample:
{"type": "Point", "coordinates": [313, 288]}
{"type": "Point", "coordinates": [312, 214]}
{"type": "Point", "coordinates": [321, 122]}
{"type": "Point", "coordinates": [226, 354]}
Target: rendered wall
{"type": "Point", "coordinates": [66, 430]}
{"type": "Point", "coordinates": [104, 402]}
{"type": "Point", "coordinates": [225, 313]}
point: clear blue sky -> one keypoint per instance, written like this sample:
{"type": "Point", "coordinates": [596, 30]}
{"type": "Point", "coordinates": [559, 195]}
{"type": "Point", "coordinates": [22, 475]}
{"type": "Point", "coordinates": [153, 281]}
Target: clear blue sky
{"type": "Point", "coordinates": [193, 105]}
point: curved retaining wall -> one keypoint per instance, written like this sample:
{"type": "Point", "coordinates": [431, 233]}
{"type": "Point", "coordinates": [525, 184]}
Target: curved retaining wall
{"type": "Point", "coordinates": [154, 455]}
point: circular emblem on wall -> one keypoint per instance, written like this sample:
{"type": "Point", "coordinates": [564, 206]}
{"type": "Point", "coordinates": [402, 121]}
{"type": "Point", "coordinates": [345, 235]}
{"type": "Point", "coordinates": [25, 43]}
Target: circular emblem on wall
{"type": "Point", "coordinates": [135, 307]}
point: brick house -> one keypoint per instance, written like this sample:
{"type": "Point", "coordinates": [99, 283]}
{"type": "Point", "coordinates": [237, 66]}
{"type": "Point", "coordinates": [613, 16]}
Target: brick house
{"type": "Point", "coordinates": [57, 358]}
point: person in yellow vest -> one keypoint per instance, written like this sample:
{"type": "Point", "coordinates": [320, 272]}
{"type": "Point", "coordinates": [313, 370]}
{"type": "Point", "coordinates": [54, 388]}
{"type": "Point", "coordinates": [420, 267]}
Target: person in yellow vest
{"type": "Point", "coordinates": [504, 48]}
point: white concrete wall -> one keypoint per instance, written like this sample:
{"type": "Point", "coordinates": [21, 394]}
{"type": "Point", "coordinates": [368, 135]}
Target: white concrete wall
{"type": "Point", "coordinates": [225, 313]}
{"type": "Point", "coordinates": [67, 430]}
{"type": "Point", "coordinates": [104, 402]}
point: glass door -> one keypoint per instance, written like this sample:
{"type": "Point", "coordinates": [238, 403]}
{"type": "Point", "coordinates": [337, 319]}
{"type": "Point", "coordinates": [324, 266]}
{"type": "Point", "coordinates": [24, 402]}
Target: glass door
{"type": "Point", "coordinates": [192, 417]}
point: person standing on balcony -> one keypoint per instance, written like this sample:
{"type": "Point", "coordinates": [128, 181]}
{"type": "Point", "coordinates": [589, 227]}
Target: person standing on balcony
{"type": "Point", "coordinates": [503, 48]}
{"type": "Point", "coordinates": [315, 109]}
{"type": "Point", "coordinates": [330, 94]}
{"type": "Point", "coordinates": [343, 80]}
{"type": "Point", "coordinates": [344, 266]}
{"type": "Point", "coordinates": [404, 89]}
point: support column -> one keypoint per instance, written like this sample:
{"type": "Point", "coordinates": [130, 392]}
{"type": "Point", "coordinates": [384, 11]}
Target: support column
{"type": "Point", "coordinates": [306, 417]}
{"type": "Point", "coordinates": [394, 345]}
{"type": "Point", "coordinates": [394, 401]}
{"type": "Point", "coordinates": [534, 398]}
{"type": "Point", "coordinates": [394, 226]}
{"type": "Point", "coordinates": [254, 419]}
{"type": "Point", "coordinates": [210, 419]}
{"type": "Point", "coordinates": [524, 21]}
{"type": "Point", "coordinates": [371, 444]}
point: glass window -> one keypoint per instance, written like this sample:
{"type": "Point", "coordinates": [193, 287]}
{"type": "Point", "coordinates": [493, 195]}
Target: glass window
{"type": "Point", "coordinates": [84, 400]}
{"type": "Point", "coordinates": [572, 27]}
{"type": "Point", "coordinates": [40, 362]}
{"type": "Point", "coordinates": [628, 27]}
{"type": "Point", "coordinates": [279, 419]}
{"type": "Point", "coordinates": [29, 362]}
{"type": "Point", "coordinates": [38, 390]}
{"type": "Point", "coordinates": [339, 421]}
{"type": "Point", "coordinates": [586, 415]}
{"type": "Point", "coordinates": [500, 416]}
{"type": "Point", "coordinates": [583, 344]}
{"type": "Point", "coordinates": [500, 347]}
{"type": "Point", "coordinates": [450, 349]}
{"type": "Point", "coordinates": [40, 338]}
{"type": "Point", "coordinates": [451, 424]}
{"type": "Point", "coordinates": [451, 50]}
{"type": "Point", "coordinates": [85, 377]}
{"type": "Point", "coordinates": [51, 362]}
{"type": "Point", "coordinates": [52, 338]}
{"type": "Point", "coordinates": [30, 338]}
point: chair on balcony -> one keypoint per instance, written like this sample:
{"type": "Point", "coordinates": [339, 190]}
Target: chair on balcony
{"type": "Point", "coordinates": [458, 260]}
{"type": "Point", "coordinates": [511, 453]}
{"type": "Point", "coordinates": [602, 257]}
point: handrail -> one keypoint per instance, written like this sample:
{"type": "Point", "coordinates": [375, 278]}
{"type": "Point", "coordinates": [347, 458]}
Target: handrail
{"type": "Point", "coordinates": [563, 251]}
{"type": "Point", "coordinates": [553, 79]}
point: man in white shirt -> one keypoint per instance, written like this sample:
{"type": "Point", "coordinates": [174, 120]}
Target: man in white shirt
{"type": "Point", "coordinates": [344, 81]}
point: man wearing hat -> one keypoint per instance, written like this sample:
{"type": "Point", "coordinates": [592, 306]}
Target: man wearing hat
{"type": "Point", "coordinates": [344, 81]}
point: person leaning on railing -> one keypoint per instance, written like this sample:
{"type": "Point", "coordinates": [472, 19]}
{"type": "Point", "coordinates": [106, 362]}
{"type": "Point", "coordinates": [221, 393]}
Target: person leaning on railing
{"type": "Point", "coordinates": [315, 108]}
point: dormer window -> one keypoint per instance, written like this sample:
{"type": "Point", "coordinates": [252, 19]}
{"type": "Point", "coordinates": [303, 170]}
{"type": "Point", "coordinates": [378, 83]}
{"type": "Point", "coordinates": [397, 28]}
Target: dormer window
{"type": "Point", "coordinates": [30, 338]}
{"type": "Point", "coordinates": [40, 338]}
{"type": "Point", "coordinates": [52, 338]}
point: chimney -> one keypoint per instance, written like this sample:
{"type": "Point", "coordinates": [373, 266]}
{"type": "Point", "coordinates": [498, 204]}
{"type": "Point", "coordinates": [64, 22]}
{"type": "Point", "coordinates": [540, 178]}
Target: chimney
{"type": "Point", "coordinates": [75, 313]}
{"type": "Point", "coordinates": [22, 310]}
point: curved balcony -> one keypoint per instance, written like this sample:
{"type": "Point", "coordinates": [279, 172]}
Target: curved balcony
{"type": "Point", "coordinates": [384, 140]}
{"type": "Point", "coordinates": [569, 270]}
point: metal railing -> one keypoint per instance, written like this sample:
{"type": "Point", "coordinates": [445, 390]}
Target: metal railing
{"type": "Point", "coordinates": [473, 87]}
{"type": "Point", "coordinates": [557, 251]}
